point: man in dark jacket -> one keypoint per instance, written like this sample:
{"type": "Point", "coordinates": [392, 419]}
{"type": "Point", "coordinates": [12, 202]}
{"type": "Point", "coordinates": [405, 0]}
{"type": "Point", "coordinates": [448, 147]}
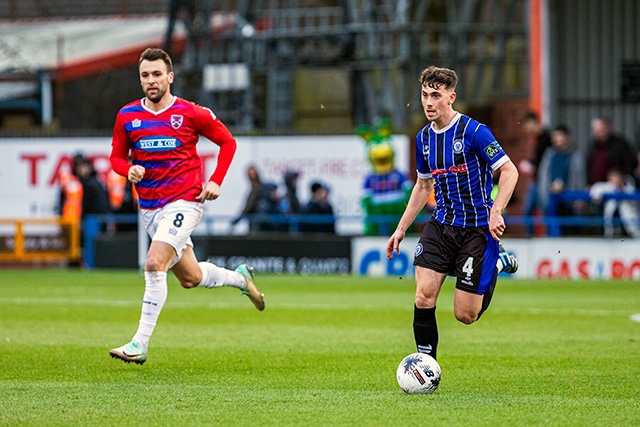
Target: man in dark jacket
{"type": "Point", "coordinates": [319, 206]}
{"type": "Point", "coordinates": [608, 151]}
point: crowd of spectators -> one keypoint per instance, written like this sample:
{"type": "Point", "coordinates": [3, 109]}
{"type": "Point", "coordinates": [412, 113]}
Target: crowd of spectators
{"type": "Point", "coordinates": [267, 209]}
{"type": "Point", "coordinates": [570, 184]}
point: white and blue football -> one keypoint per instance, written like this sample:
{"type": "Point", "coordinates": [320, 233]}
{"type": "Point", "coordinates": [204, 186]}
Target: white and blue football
{"type": "Point", "coordinates": [418, 373]}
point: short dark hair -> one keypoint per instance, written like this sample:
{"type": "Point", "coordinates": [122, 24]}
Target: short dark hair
{"type": "Point", "coordinates": [530, 116]}
{"type": "Point", "coordinates": [436, 77]}
{"type": "Point", "coordinates": [315, 187]}
{"type": "Point", "coordinates": [562, 128]}
{"type": "Point", "coordinates": [153, 54]}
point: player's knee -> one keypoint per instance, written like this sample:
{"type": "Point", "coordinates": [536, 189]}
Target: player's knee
{"type": "Point", "coordinates": [424, 301]}
{"type": "Point", "coordinates": [188, 279]}
{"type": "Point", "coordinates": [188, 283]}
{"type": "Point", "coordinates": [466, 317]}
{"type": "Point", "coordinates": [153, 264]}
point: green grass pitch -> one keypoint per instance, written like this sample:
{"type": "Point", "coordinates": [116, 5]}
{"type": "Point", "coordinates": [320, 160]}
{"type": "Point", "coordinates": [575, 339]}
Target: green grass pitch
{"type": "Point", "coordinates": [323, 353]}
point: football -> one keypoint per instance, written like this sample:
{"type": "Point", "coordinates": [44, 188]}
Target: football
{"type": "Point", "coordinates": [418, 373]}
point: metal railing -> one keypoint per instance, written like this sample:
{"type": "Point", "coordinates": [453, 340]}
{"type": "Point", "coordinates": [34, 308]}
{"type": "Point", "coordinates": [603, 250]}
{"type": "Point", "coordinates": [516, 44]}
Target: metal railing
{"type": "Point", "coordinates": [47, 239]}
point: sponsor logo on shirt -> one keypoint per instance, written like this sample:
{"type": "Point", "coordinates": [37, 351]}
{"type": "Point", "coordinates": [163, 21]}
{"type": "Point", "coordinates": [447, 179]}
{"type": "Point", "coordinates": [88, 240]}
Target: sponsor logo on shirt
{"type": "Point", "coordinates": [157, 144]}
{"type": "Point", "coordinates": [136, 123]}
{"type": "Point", "coordinates": [493, 149]}
{"type": "Point", "coordinates": [452, 169]}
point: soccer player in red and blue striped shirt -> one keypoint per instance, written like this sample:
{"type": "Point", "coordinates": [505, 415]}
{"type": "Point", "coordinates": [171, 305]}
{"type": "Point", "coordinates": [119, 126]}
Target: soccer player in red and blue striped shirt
{"type": "Point", "coordinates": [159, 133]}
{"type": "Point", "coordinates": [457, 157]}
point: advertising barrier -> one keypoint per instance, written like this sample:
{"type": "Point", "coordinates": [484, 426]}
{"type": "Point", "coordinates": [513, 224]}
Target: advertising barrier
{"type": "Point", "coordinates": [369, 257]}
{"type": "Point", "coordinates": [554, 258]}
{"type": "Point", "coordinates": [576, 258]}
{"type": "Point", "coordinates": [277, 254]}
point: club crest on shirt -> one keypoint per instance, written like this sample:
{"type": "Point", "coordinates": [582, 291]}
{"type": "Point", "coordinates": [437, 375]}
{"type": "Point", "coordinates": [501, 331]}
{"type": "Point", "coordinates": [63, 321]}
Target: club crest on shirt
{"type": "Point", "coordinates": [458, 146]}
{"type": "Point", "coordinates": [176, 120]}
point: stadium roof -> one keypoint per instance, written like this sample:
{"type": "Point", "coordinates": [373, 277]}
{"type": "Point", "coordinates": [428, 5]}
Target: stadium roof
{"type": "Point", "coordinates": [75, 48]}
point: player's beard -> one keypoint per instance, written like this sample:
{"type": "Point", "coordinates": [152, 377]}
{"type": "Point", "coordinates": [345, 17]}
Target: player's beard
{"type": "Point", "coordinates": [155, 98]}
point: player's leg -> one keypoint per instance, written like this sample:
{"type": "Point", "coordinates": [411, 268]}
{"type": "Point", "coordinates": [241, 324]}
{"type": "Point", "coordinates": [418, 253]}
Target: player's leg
{"type": "Point", "coordinates": [466, 306]}
{"type": "Point", "coordinates": [192, 273]}
{"type": "Point", "coordinates": [170, 228]}
{"type": "Point", "coordinates": [476, 272]}
{"type": "Point", "coordinates": [425, 326]}
{"type": "Point", "coordinates": [159, 257]}
{"type": "Point", "coordinates": [432, 259]}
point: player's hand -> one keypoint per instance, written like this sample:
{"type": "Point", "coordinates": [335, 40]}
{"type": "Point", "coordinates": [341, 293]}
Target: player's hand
{"type": "Point", "coordinates": [136, 172]}
{"type": "Point", "coordinates": [393, 245]}
{"type": "Point", "coordinates": [211, 191]}
{"type": "Point", "coordinates": [496, 225]}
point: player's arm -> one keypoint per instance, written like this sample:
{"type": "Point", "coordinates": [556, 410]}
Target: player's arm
{"type": "Point", "coordinates": [214, 130]}
{"type": "Point", "coordinates": [506, 184]}
{"type": "Point", "coordinates": [119, 157]}
{"type": "Point", "coordinates": [417, 201]}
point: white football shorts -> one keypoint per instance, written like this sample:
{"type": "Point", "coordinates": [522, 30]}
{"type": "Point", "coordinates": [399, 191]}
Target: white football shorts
{"type": "Point", "coordinates": [173, 224]}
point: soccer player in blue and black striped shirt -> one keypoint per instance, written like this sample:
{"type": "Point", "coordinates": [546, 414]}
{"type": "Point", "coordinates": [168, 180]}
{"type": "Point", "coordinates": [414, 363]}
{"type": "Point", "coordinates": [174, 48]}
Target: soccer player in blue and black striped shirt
{"type": "Point", "coordinates": [457, 157]}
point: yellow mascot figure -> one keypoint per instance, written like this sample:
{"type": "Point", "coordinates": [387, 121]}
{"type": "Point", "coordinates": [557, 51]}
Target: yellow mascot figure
{"type": "Point", "coordinates": [386, 190]}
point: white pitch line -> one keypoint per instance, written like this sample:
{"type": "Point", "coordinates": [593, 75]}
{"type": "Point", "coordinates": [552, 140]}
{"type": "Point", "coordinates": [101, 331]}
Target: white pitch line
{"type": "Point", "coordinates": [241, 302]}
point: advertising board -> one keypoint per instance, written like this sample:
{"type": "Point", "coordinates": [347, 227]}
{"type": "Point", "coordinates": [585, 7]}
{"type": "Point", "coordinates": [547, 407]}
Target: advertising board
{"type": "Point", "coordinates": [30, 168]}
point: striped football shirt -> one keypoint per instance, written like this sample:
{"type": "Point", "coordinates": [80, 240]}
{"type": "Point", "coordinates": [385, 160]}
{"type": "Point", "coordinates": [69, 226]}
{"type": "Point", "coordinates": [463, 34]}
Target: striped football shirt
{"type": "Point", "coordinates": [164, 142]}
{"type": "Point", "coordinates": [460, 158]}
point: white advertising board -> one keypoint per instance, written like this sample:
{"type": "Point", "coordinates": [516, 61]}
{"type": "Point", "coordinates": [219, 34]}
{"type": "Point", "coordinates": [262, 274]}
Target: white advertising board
{"type": "Point", "coordinates": [368, 257]}
{"type": "Point", "coordinates": [576, 258]}
{"type": "Point", "coordinates": [30, 167]}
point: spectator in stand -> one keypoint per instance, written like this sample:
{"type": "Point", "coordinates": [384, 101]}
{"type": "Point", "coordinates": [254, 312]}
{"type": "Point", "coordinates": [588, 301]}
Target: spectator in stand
{"type": "Point", "coordinates": [251, 204]}
{"type": "Point", "coordinates": [538, 140]}
{"type": "Point", "coordinates": [95, 199]}
{"type": "Point", "coordinates": [608, 151]}
{"type": "Point", "coordinates": [123, 199]}
{"type": "Point", "coordinates": [561, 168]}
{"type": "Point", "coordinates": [290, 204]}
{"type": "Point", "coordinates": [81, 192]}
{"type": "Point", "coordinates": [268, 209]}
{"type": "Point", "coordinates": [71, 192]}
{"type": "Point", "coordinates": [617, 206]}
{"type": "Point", "coordinates": [319, 205]}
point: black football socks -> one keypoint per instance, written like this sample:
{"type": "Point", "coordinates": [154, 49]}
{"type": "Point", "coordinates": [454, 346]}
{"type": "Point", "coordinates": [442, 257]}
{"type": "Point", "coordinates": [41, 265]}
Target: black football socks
{"type": "Point", "coordinates": [425, 330]}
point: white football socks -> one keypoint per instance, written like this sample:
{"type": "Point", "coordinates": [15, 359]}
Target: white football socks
{"type": "Point", "coordinates": [214, 276]}
{"type": "Point", "coordinates": [155, 295]}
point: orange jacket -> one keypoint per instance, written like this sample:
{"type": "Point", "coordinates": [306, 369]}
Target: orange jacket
{"type": "Point", "coordinates": [71, 188]}
{"type": "Point", "coordinates": [117, 187]}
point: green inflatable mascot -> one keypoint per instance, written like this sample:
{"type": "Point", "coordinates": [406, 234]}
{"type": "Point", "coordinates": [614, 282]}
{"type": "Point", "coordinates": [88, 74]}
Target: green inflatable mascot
{"type": "Point", "coordinates": [386, 189]}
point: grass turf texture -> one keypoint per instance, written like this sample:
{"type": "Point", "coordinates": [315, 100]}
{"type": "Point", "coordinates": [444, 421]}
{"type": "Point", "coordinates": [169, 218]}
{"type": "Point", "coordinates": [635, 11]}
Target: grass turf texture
{"type": "Point", "coordinates": [324, 352]}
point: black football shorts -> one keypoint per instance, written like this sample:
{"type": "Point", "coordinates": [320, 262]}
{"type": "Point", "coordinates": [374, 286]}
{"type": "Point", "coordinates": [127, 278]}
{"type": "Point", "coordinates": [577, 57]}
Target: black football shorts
{"type": "Point", "coordinates": [470, 254]}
